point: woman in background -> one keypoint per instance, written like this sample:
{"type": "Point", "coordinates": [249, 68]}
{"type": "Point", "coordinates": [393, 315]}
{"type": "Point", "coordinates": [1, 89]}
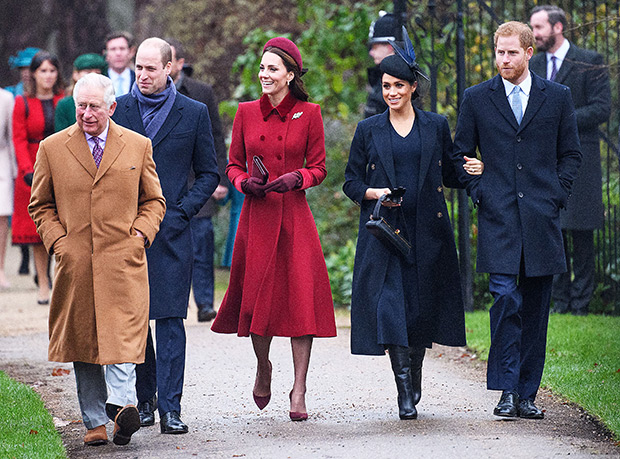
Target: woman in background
{"type": "Point", "coordinates": [33, 120]}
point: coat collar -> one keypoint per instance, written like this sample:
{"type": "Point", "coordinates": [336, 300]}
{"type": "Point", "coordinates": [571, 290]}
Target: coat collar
{"type": "Point", "coordinates": [281, 110]}
{"type": "Point", "coordinates": [535, 101]}
{"type": "Point", "coordinates": [78, 147]}
{"type": "Point", "coordinates": [382, 142]}
{"type": "Point", "coordinates": [567, 65]}
{"type": "Point", "coordinates": [135, 120]}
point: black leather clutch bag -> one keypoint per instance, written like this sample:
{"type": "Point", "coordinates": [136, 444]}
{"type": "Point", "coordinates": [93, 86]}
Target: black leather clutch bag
{"type": "Point", "coordinates": [391, 237]}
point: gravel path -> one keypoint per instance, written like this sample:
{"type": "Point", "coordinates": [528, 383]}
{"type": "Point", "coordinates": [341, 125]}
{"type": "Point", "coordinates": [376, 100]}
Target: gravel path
{"type": "Point", "coordinates": [351, 401]}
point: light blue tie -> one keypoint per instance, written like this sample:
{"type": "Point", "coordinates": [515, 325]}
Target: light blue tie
{"type": "Point", "coordinates": [515, 103]}
{"type": "Point", "coordinates": [119, 86]}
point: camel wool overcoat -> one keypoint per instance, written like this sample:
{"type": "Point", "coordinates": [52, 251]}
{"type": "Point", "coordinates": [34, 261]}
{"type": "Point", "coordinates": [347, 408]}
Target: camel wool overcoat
{"type": "Point", "coordinates": [88, 217]}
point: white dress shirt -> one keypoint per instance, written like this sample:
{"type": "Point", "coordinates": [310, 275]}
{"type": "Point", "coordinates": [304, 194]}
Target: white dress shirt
{"type": "Point", "coordinates": [526, 87]}
{"type": "Point", "coordinates": [560, 55]}
{"type": "Point", "coordinates": [126, 80]}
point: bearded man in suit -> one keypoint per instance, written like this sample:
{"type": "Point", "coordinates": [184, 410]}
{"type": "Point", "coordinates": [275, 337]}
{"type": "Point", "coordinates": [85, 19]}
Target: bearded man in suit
{"type": "Point", "coordinates": [97, 203]}
{"type": "Point", "coordinates": [180, 130]}
{"type": "Point", "coordinates": [586, 74]}
{"type": "Point", "coordinates": [526, 132]}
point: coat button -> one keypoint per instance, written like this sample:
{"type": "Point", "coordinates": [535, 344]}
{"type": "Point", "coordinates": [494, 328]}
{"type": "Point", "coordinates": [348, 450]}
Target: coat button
{"type": "Point", "coordinates": [279, 157]}
{"type": "Point", "coordinates": [439, 162]}
{"type": "Point", "coordinates": [262, 137]}
{"type": "Point", "coordinates": [519, 166]}
{"type": "Point", "coordinates": [439, 215]}
{"type": "Point", "coordinates": [518, 138]}
{"type": "Point", "coordinates": [279, 137]}
{"type": "Point", "coordinates": [439, 189]}
{"type": "Point", "coordinates": [520, 194]}
{"type": "Point", "coordinates": [372, 166]}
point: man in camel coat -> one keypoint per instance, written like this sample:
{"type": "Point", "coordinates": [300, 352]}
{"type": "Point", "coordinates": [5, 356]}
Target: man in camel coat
{"type": "Point", "coordinates": [97, 203]}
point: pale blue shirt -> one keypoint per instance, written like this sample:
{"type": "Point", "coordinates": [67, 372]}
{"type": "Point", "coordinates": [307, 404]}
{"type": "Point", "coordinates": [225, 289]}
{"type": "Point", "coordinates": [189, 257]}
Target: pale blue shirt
{"type": "Point", "coordinates": [125, 87]}
{"type": "Point", "coordinates": [560, 55]}
{"type": "Point", "coordinates": [526, 87]}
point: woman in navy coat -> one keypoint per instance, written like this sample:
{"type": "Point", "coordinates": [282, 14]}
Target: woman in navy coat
{"type": "Point", "coordinates": [405, 303]}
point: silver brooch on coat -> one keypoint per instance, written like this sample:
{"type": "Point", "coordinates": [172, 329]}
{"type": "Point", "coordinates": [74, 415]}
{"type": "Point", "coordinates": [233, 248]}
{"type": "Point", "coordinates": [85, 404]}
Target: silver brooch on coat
{"type": "Point", "coordinates": [297, 115]}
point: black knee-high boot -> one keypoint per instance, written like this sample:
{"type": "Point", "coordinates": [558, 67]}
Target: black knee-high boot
{"type": "Point", "coordinates": [399, 356]}
{"type": "Point", "coordinates": [416, 357]}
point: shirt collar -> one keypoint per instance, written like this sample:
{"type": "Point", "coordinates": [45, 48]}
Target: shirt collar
{"type": "Point", "coordinates": [560, 54]}
{"type": "Point", "coordinates": [125, 74]}
{"type": "Point", "coordinates": [525, 85]}
{"type": "Point", "coordinates": [282, 109]}
{"type": "Point", "coordinates": [102, 137]}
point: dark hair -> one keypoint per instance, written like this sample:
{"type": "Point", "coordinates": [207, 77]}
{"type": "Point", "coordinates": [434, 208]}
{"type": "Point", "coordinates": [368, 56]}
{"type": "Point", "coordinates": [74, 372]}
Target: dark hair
{"type": "Point", "coordinates": [179, 50]}
{"type": "Point", "coordinates": [296, 85]}
{"type": "Point", "coordinates": [37, 61]}
{"type": "Point", "coordinates": [555, 14]}
{"type": "Point", "coordinates": [119, 34]}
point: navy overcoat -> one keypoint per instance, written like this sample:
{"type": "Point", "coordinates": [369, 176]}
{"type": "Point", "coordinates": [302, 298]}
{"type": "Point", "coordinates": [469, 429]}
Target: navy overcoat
{"type": "Point", "coordinates": [586, 74]}
{"type": "Point", "coordinates": [528, 174]}
{"type": "Point", "coordinates": [371, 165]}
{"type": "Point", "coordinates": [183, 142]}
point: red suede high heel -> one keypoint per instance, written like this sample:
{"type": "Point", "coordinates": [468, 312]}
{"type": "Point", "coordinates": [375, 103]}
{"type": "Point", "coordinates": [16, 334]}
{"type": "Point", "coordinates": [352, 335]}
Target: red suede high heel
{"type": "Point", "coordinates": [295, 415]}
{"type": "Point", "coordinates": [263, 401]}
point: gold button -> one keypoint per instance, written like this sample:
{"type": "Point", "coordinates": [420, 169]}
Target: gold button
{"type": "Point", "coordinates": [439, 189]}
{"type": "Point", "coordinates": [439, 215]}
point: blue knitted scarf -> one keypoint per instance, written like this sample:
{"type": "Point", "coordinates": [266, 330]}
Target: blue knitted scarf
{"type": "Point", "coordinates": [155, 108]}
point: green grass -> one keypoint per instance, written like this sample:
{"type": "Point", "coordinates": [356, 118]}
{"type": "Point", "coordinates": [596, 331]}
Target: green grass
{"type": "Point", "coordinates": [583, 360]}
{"type": "Point", "coordinates": [26, 428]}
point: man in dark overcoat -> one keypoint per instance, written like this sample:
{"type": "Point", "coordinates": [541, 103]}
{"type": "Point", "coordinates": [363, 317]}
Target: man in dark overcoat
{"type": "Point", "coordinates": [526, 132]}
{"type": "Point", "coordinates": [180, 130]}
{"type": "Point", "coordinates": [203, 281]}
{"type": "Point", "coordinates": [585, 73]}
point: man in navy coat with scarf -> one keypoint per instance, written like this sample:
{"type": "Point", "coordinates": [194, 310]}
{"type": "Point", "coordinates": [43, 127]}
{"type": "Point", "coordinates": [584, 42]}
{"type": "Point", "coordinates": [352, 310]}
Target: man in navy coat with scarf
{"type": "Point", "coordinates": [526, 132]}
{"type": "Point", "coordinates": [180, 131]}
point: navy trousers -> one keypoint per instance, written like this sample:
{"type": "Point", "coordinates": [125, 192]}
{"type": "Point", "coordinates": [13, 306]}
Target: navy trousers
{"type": "Point", "coordinates": [519, 319]}
{"type": "Point", "coordinates": [203, 281]}
{"type": "Point", "coordinates": [163, 370]}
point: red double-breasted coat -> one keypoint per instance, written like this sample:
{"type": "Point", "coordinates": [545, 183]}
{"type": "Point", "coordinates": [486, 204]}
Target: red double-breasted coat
{"type": "Point", "coordinates": [28, 131]}
{"type": "Point", "coordinates": [278, 279]}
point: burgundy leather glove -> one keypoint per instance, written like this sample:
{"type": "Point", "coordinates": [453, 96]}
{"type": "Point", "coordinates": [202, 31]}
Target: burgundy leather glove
{"type": "Point", "coordinates": [253, 186]}
{"type": "Point", "coordinates": [284, 183]}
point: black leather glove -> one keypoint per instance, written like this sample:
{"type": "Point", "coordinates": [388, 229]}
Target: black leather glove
{"type": "Point", "coordinates": [28, 178]}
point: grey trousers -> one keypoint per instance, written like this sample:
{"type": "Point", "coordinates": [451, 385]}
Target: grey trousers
{"type": "Point", "coordinates": [101, 384]}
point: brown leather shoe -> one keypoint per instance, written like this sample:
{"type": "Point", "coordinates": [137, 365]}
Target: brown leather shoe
{"type": "Point", "coordinates": [96, 437]}
{"type": "Point", "coordinates": [126, 423]}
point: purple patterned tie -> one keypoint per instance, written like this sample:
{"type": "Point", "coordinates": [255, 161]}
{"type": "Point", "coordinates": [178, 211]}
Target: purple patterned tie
{"type": "Point", "coordinates": [554, 69]}
{"type": "Point", "coordinates": [97, 151]}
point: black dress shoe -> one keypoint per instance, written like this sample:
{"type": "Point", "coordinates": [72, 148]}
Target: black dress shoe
{"type": "Point", "coordinates": [528, 410]}
{"type": "Point", "coordinates": [206, 315]}
{"type": "Point", "coordinates": [147, 412]}
{"type": "Point", "coordinates": [171, 423]}
{"type": "Point", "coordinates": [126, 423]}
{"type": "Point", "coordinates": [508, 405]}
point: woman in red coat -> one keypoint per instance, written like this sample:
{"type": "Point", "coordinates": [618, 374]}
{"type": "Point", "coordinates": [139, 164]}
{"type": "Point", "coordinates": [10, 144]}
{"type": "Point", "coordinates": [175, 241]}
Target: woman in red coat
{"type": "Point", "coordinates": [278, 280]}
{"type": "Point", "coordinates": [33, 120]}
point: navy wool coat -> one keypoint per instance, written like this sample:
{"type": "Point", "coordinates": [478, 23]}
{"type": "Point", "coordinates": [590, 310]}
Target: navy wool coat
{"type": "Point", "coordinates": [586, 74]}
{"type": "Point", "coordinates": [528, 173]}
{"type": "Point", "coordinates": [371, 165]}
{"type": "Point", "coordinates": [183, 142]}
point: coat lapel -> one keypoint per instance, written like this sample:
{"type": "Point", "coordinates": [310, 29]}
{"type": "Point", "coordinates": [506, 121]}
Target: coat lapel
{"type": "Point", "coordinates": [567, 65]}
{"type": "Point", "coordinates": [133, 115]}
{"type": "Point", "coordinates": [113, 147]}
{"type": "Point", "coordinates": [535, 101]}
{"type": "Point", "coordinates": [171, 121]}
{"type": "Point", "coordinates": [428, 141]}
{"type": "Point", "coordinates": [383, 145]}
{"type": "Point", "coordinates": [78, 147]}
{"type": "Point", "coordinates": [499, 99]}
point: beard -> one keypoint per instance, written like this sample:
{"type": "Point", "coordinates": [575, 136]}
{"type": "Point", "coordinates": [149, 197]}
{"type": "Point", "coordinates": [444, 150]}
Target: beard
{"type": "Point", "coordinates": [545, 44]}
{"type": "Point", "coordinates": [513, 73]}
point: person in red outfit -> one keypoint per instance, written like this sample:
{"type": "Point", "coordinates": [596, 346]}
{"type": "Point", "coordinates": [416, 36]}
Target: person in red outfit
{"type": "Point", "coordinates": [33, 120]}
{"type": "Point", "coordinates": [278, 280]}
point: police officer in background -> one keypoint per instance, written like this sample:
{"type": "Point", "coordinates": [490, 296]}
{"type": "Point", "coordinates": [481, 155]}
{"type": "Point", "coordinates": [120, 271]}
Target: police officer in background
{"type": "Point", "coordinates": [383, 29]}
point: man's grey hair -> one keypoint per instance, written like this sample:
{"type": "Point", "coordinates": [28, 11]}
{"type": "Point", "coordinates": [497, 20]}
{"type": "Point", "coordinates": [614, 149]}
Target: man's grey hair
{"type": "Point", "coordinates": [96, 80]}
